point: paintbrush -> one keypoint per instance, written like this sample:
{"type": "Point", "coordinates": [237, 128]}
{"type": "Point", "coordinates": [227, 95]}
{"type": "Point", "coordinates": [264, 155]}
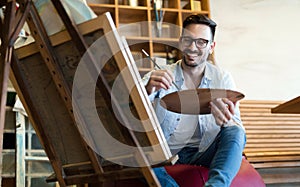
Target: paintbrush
{"type": "Point", "coordinates": [147, 55]}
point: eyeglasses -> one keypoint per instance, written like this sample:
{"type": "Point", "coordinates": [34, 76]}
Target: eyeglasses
{"type": "Point", "coordinates": [200, 42]}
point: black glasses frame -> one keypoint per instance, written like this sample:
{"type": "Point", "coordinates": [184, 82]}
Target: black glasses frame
{"type": "Point", "coordinates": [191, 40]}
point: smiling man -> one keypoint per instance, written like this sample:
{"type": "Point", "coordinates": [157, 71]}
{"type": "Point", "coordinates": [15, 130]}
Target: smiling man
{"type": "Point", "coordinates": [214, 140]}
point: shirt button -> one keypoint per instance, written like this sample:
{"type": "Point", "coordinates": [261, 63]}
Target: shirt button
{"type": "Point", "coordinates": [178, 119]}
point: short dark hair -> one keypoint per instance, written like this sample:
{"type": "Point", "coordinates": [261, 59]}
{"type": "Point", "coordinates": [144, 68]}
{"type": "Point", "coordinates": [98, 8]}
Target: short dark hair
{"type": "Point", "coordinates": [200, 19]}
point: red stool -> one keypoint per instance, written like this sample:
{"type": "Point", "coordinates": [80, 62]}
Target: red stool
{"type": "Point", "coordinates": [196, 176]}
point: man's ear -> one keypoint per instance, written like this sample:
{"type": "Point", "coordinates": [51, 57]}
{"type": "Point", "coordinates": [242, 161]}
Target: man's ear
{"type": "Point", "coordinates": [212, 47]}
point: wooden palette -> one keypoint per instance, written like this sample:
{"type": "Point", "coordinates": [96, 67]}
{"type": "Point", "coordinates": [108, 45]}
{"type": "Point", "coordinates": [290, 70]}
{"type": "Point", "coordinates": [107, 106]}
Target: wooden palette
{"type": "Point", "coordinates": [196, 101]}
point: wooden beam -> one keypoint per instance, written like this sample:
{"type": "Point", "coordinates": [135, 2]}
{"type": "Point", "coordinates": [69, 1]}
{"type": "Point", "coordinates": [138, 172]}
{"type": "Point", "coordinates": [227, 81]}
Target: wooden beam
{"type": "Point", "coordinates": [19, 22]}
{"type": "Point", "coordinates": [5, 60]}
{"type": "Point", "coordinates": [71, 27]}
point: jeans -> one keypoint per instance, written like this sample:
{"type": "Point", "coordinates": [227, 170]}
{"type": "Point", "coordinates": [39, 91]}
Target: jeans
{"type": "Point", "coordinates": [164, 178]}
{"type": "Point", "coordinates": [223, 158]}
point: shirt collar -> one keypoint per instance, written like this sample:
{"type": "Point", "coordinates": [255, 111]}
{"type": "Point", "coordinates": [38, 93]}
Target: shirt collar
{"type": "Point", "coordinates": [208, 74]}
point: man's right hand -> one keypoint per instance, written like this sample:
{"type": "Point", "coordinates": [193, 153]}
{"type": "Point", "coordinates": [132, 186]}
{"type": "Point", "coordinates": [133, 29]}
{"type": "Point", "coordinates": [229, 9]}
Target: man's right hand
{"type": "Point", "coordinates": [159, 79]}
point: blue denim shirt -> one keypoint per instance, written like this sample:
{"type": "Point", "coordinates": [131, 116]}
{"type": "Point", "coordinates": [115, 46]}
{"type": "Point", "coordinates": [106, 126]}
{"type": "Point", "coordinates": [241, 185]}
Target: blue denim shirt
{"type": "Point", "coordinates": [213, 77]}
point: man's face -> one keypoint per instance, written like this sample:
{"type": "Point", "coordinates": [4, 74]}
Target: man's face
{"type": "Point", "coordinates": [196, 44]}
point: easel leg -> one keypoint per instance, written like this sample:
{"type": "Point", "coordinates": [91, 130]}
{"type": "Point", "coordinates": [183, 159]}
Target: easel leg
{"type": "Point", "coordinates": [150, 177]}
{"type": "Point", "coordinates": [4, 74]}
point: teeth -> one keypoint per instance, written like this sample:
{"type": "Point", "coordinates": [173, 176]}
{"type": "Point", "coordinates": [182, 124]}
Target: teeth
{"type": "Point", "coordinates": [192, 55]}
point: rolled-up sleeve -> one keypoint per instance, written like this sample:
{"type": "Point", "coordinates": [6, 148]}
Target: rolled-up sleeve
{"type": "Point", "coordinates": [145, 81]}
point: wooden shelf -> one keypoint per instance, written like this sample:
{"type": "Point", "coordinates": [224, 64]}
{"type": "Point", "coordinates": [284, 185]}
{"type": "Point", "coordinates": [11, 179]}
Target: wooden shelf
{"type": "Point", "coordinates": [137, 24]}
{"type": "Point", "coordinates": [95, 5]}
{"type": "Point", "coordinates": [132, 7]}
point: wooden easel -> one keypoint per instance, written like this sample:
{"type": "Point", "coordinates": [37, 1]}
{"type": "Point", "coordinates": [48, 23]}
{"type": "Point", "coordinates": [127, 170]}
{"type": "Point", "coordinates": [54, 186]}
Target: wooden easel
{"type": "Point", "coordinates": [10, 28]}
{"type": "Point", "coordinates": [42, 82]}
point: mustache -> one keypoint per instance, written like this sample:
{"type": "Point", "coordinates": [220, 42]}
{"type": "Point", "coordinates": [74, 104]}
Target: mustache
{"type": "Point", "coordinates": [188, 51]}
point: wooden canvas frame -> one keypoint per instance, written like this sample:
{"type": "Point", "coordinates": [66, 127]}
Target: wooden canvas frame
{"type": "Point", "coordinates": [43, 73]}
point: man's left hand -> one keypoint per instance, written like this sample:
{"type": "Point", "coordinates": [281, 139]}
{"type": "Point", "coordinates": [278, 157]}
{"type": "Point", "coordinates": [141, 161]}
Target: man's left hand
{"type": "Point", "coordinates": [222, 109]}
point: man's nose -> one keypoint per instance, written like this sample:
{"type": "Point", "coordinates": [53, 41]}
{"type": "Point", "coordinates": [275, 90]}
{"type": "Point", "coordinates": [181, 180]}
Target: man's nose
{"type": "Point", "coordinates": [193, 46]}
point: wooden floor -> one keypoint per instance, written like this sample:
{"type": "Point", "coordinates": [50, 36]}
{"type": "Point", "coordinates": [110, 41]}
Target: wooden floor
{"type": "Point", "coordinates": [273, 142]}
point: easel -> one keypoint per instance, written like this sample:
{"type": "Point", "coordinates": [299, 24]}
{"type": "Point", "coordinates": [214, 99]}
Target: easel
{"type": "Point", "coordinates": [78, 162]}
{"type": "Point", "coordinates": [10, 28]}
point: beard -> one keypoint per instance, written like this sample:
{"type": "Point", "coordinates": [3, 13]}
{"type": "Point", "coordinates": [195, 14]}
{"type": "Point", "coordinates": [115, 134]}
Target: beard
{"type": "Point", "coordinates": [199, 57]}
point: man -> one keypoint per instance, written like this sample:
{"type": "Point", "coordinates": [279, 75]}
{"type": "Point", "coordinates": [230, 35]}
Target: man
{"type": "Point", "coordinates": [215, 140]}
